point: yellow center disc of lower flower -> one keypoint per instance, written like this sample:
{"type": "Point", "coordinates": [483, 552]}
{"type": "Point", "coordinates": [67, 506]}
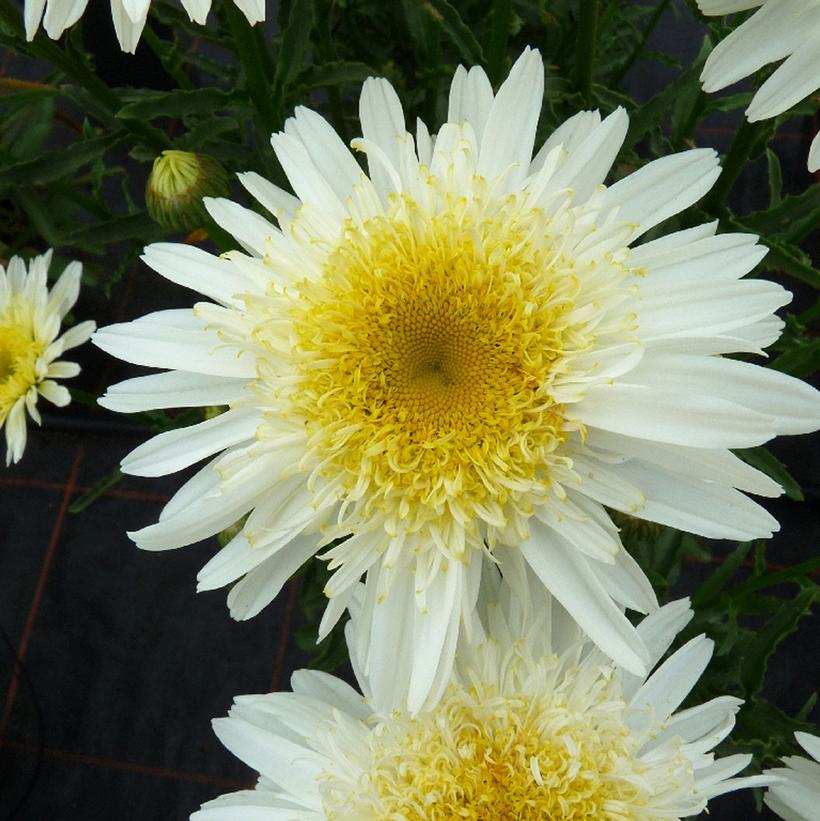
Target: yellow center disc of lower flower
{"type": "Point", "coordinates": [483, 756]}
{"type": "Point", "coordinates": [18, 358]}
{"type": "Point", "coordinates": [426, 353]}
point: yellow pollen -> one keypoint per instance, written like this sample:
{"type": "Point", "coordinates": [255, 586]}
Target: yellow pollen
{"type": "Point", "coordinates": [425, 355]}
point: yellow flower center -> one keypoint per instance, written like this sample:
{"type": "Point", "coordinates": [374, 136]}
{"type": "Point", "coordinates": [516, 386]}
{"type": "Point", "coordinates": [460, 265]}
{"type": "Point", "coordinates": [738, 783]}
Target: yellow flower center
{"type": "Point", "coordinates": [482, 755]}
{"type": "Point", "coordinates": [19, 352]}
{"type": "Point", "coordinates": [425, 356]}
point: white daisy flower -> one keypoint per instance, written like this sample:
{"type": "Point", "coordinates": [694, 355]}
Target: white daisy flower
{"type": "Point", "coordinates": [796, 794]}
{"type": "Point", "coordinates": [787, 30]}
{"type": "Point", "coordinates": [30, 317]}
{"type": "Point", "coordinates": [533, 723]}
{"type": "Point", "coordinates": [456, 354]}
{"type": "Point", "coordinates": [129, 16]}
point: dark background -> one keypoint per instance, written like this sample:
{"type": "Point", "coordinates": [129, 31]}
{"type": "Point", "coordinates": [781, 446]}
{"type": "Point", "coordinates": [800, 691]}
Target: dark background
{"type": "Point", "coordinates": [111, 667]}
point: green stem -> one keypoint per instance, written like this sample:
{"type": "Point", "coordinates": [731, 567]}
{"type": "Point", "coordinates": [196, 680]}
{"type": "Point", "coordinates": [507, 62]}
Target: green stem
{"type": "Point", "coordinates": [745, 139]}
{"type": "Point", "coordinates": [250, 51]}
{"type": "Point", "coordinates": [585, 49]}
{"type": "Point", "coordinates": [44, 49]}
{"type": "Point", "coordinates": [641, 44]}
{"type": "Point", "coordinates": [499, 32]}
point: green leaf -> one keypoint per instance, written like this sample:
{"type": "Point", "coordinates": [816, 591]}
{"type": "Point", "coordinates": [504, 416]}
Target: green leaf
{"type": "Point", "coordinates": [294, 50]}
{"type": "Point", "coordinates": [783, 623]}
{"type": "Point", "coordinates": [715, 585]}
{"type": "Point", "coordinates": [457, 30]}
{"type": "Point", "coordinates": [762, 459]}
{"type": "Point", "coordinates": [179, 102]}
{"type": "Point", "coordinates": [58, 163]}
{"type": "Point", "coordinates": [333, 74]}
{"type": "Point", "coordinates": [96, 490]}
{"type": "Point", "coordinates": [775, 178]}
{"type": "Point", "coordinates": [131, 227]}
{"type": "Point", "coordinates": [792, 217]}
{"type": "Point", "coordinates": [802, 360]}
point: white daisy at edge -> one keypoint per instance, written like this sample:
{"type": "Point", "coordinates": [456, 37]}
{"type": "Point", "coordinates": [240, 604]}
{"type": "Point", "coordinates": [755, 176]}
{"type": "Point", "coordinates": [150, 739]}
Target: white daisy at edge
{"type": "Point", "coordinates": [797, 795]}
{"type": "Point", "coordinates": [534, 723]}
{"type": "Point", "coordinates": [30, 345]}
{"type": "Point", "coordinates": [460, 353]}
{"type": "Point", "coordinates": [128, 16]}
{"type": "Point", "coordinates": [786, 30]}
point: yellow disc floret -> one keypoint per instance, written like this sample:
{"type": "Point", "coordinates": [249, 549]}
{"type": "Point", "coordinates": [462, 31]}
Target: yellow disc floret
{"type": "Point", "coordinates": [19, 354]}
{"type": "Point", "coordinates": [491, 752]}
{"type": "Point", "coordinates": [424, 357]}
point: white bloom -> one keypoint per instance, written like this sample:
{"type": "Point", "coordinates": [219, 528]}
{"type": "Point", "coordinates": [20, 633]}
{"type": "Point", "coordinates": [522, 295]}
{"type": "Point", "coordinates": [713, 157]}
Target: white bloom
{"type": "Point", "coordinates": [460, 353]}
{"type": "Point", "coordinates": [129, 16]}
{"type": "Point", "coordinates": [781, 29]}
{"type": "Point", "coordinates": [30, 318]}
{"type": "Point", "coordinates": [797, 795]}
{"type": "Point", "coordinates": [534, 723]}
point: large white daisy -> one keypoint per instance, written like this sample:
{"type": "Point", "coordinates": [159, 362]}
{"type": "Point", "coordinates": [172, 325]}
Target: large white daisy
{"type": "Point", "coordinates": [457, 354]}
{"type": "Point", "coordinates": [533, 723]}
{"type": "Point", "coordinates": [30, 317]}
{"type": "Point", "coordinates": [781, 29]}
{"type": "Point", "coordinates": [129, 16]}
{"type": "Point", "coordinates": [796, 794]}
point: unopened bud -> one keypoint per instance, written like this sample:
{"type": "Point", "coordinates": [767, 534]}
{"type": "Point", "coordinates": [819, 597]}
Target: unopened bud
{"type": "Point", "coordinates": [176, 185]}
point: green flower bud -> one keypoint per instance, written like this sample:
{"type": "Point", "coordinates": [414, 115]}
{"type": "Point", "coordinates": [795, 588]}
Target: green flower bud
{"type": "Point", "coordinates": [176, 185]}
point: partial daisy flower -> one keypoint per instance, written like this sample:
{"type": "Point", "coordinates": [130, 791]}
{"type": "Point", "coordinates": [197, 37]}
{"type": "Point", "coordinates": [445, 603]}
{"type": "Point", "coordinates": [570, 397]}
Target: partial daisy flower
{"type": "Point", "coordinates": [30, 317]}
{"type": "Point", "coordinates": [532, 723]}
{"type": "Point", "coordinates": [129, 16]}
{"type": "Point", "coordinates": [796, 794]}
{"type": "Point", "coordinates": [781, 29]}
{"type": "Point", "coordinates": [460, 354]}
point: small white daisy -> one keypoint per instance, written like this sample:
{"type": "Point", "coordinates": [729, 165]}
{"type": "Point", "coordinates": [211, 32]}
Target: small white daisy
{"type": "Point", "coordinates": [30, 317]}
{"type": "Point", "coordinates": [460, 353]}
{"type": "Point", "coordinates": [796, 795]}
{"type": "Point", "coordinates": [534, 723]}
{"type": "Point", "coordinates": [787, 30]}
{"type": "Point", "coordinates": [129, 16]}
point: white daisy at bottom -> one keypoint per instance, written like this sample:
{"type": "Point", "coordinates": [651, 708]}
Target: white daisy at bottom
{"type": "Point", "coordinates": [797, 795]}
{"type": "Point", "coordinates": [534, 723]}
{"type": "Point", "coordinates": [30, 348]}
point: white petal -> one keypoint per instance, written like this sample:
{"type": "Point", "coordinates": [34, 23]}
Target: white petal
{"type": "Point", "coordinates": [565, 573]}
{"type": "Point", "coordinates": [795, 79]}
{"type": "Point", "coordinates": [382, 120]}
{"type": "Point", "coordinates": [60, 14]}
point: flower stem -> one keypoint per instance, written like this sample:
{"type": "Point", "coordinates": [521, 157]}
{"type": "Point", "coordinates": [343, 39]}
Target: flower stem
{"type": "Point", "coordinates": [641, 44]}
{"type": "Point", "coordinates": [742, 145]}
{"type": "Point", "coordinates": [585, 51]}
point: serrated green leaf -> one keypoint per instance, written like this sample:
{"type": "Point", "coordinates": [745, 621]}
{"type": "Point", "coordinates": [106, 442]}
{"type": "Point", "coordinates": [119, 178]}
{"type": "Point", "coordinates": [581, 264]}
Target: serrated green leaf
{"type": "Point", "coordinates": [131, 227]}
{"type": "Point", "coordinates": [762, 459]}
{"type": "Point", "coordinates": [58, 163]}
{"type": "Point", "coordinates": [179, 102]}
{"type": "Point", "coordinates": [457, 30]}
{"type": "Point", "coordinates": [783, 623]}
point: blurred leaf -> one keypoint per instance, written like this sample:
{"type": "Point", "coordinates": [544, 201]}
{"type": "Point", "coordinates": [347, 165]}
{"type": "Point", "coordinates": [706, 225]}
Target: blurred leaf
{"type": "Point", "coordinates": [96, 490]}
{"type": "Point", "coordinates": [762, 459]}
{"type": "Point", "coordinates": [59, 162]}
{"type": "Point", "coordinates": [333, 74]}
{"type": "Point", "coordinates": [457, 30]}
{"type": "Point", "coordinates": [801, 361]}
{"type": "Point", "coordinates": [775, 178]}
{"type": "Point", "coordinates": [715, 585]}
{"type": "Point", "coordinates": [293, 52]}
{"type": "Point", "coordinates": [179, 102]}
{"type": "Point", "coordinates": [130, 227]}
